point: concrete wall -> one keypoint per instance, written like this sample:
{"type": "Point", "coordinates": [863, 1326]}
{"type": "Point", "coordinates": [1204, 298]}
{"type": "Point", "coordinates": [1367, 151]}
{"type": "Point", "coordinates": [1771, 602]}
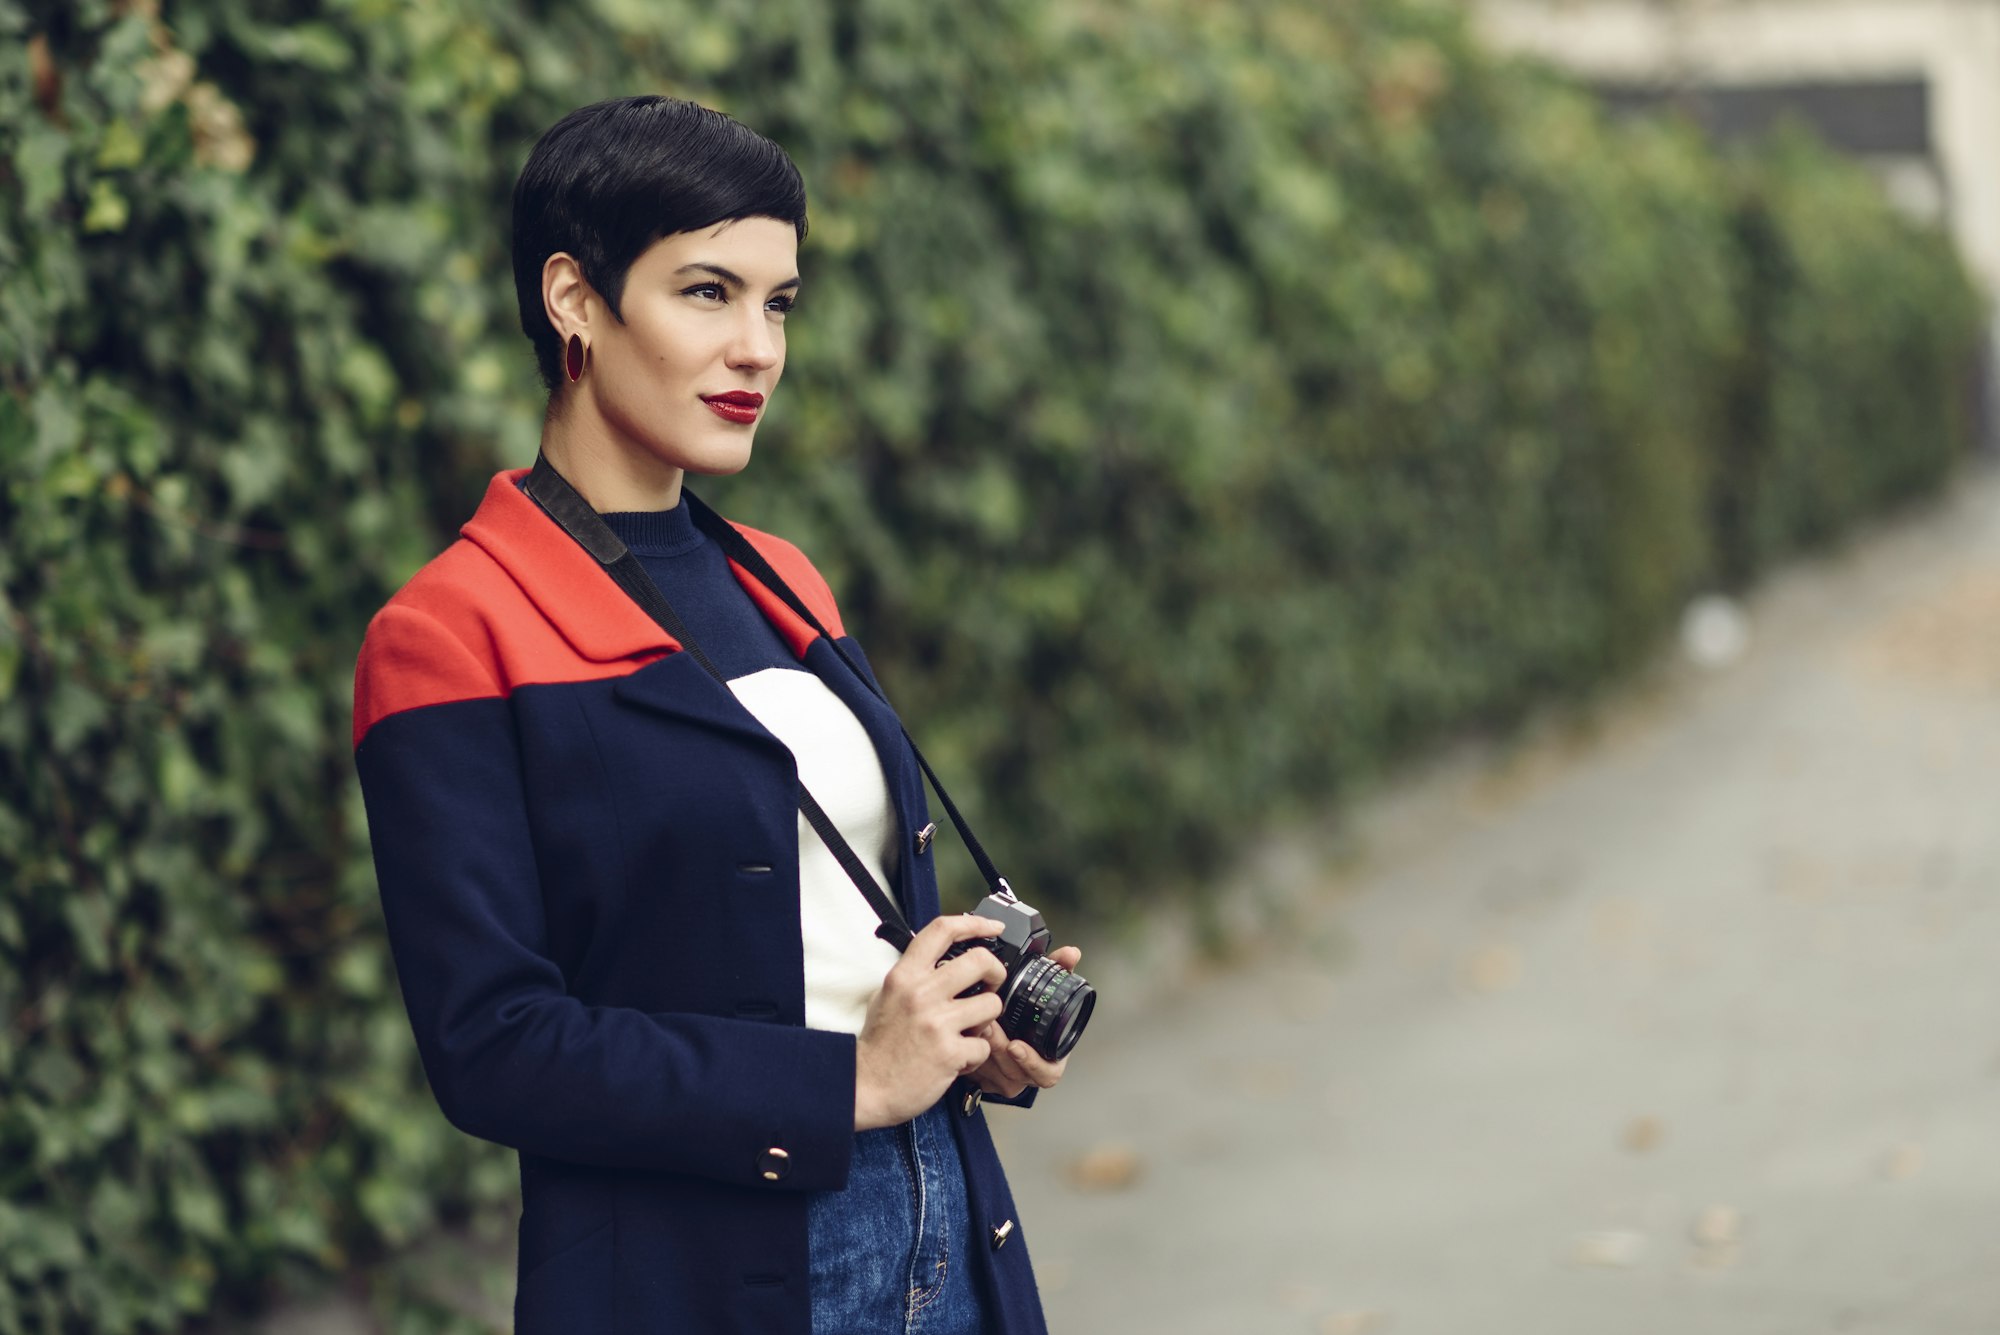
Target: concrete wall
{"type": "Point", "coordinates": [1952, 45]}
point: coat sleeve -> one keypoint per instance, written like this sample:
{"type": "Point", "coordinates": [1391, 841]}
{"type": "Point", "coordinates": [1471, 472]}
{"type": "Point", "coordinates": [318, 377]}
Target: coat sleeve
{"type": "Point", "coordinates": [510, 1055]}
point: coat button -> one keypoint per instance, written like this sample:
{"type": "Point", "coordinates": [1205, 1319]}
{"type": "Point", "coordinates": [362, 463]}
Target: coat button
{"type": "Point", "coordinates": [970, 1104]}
{"type": "Point", "coordinates": [924, 837]}
{"type": "Point", "coordinates": [774, 1163]}
{"type": "Point", "coordinates": [1001, 1234]}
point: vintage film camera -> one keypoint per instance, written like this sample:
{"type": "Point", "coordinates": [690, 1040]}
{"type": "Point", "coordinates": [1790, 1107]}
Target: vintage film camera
{"type": "Point", "coordinates": [1046, 1005]}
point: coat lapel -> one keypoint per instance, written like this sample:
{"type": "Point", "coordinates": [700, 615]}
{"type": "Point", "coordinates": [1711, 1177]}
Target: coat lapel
{"type": "Point", "coordinates": [679, 687]}
{"type": "Point", "coordinates": [564, 582]}
{"type": "Point", "coordinates": [604, 625]}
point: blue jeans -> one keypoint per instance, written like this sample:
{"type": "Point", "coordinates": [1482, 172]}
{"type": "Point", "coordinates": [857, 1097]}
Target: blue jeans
{"type": "Point", "coordinates": [889, 1254]}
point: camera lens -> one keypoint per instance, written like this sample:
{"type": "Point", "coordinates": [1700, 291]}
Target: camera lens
{"type": "Point", "coordinates": [1048, 1008]}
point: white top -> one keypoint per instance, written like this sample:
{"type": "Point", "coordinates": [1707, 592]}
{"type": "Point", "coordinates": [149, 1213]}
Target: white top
{"type": "Point", "coordinates": [845, 960]}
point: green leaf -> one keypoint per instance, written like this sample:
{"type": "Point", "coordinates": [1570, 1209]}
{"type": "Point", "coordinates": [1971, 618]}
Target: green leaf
{"type": "Point", "coordinates": [120, 147]}
{"type": "Point", "coordinates": [74, 711]}
{"type": "Point", "coordinates": [108, 209]}
{"type": "Point", "coordinates": [40, 156]}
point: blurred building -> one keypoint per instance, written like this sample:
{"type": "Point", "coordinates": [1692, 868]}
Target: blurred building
{"type": "Point", "coordinates": [1909, 87]}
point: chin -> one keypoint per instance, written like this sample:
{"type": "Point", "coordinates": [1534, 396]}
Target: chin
{"type": "Point", "coordinates": [719, 463]}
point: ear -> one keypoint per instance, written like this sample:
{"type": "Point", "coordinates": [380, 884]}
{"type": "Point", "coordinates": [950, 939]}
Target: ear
{"type": "Point", "coordinates": [567, 298]}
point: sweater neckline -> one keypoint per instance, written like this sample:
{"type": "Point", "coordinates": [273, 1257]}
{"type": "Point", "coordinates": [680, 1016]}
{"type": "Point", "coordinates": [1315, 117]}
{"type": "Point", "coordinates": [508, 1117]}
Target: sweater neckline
{"type": "Point", "coordinates": [656, 532]}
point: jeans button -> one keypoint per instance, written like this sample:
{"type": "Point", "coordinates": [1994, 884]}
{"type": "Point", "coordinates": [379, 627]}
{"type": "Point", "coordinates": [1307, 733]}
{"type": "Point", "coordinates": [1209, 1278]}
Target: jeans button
{"type": "Point", "coordinates": [970, 1104]}
{"type": "Point", "coordinates": [774, 1163]}
{"type": "Point", "coordinates": [924, 837]}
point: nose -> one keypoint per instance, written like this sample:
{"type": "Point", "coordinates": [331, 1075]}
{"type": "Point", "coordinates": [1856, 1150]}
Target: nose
{"type": "Point", "coordinates": [758, 342]}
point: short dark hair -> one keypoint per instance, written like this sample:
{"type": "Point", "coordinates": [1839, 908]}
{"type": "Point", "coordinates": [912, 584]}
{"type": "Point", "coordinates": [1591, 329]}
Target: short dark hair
{"type": "Point", "coordinates": [608, 180]}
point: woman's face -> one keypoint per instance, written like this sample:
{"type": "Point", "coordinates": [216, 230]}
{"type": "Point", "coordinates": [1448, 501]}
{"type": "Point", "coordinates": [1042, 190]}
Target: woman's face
{"type": "Point", "coordinates": [687, 376]}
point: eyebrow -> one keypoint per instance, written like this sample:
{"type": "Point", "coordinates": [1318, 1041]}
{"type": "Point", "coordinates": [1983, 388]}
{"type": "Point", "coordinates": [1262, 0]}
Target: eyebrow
{"type": "Point", "coordinates": [726, 276]}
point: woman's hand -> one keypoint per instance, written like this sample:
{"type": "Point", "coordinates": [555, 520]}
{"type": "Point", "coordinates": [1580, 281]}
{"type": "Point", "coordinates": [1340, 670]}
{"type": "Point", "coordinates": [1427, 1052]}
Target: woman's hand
{"type": "Point", "coordinates": [1013, 1064]}
{"type": "Point", "coordinates": [919, 1034]}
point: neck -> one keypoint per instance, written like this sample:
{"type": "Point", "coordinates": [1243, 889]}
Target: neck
{"type": "Point", "coordinates": [606, 467]}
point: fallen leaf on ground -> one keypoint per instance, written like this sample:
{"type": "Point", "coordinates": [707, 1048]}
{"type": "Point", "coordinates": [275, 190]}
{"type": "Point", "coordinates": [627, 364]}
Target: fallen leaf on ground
{"type": "Point", "coordinates": [1493, 968]}
{"type": "Point", "coordinates": [1903, 1162]}
{"type": "Point", "coordinates": [1718, 1226]}
{"type": "Point", "coordinates": [1643, 1133]}
{"type": "Point", "coordinates": [1105, 1168]}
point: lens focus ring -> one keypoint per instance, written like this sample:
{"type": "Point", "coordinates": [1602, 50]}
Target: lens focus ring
{"type": "Point", "coordinates": [1048, 1008]}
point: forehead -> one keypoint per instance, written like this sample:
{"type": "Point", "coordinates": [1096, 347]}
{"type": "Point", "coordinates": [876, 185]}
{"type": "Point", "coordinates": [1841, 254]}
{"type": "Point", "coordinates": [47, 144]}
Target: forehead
{"type": "Point", "coordinates": [763, 251]}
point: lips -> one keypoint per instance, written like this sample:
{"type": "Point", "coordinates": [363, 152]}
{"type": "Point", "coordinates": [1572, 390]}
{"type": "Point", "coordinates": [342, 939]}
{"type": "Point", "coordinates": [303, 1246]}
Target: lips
{"type": "Point", "coordinates": [736, 406]}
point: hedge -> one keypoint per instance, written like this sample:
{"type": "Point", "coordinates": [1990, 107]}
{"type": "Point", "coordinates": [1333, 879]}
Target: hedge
{"type": "Point", "coordinates": [1197, 407]}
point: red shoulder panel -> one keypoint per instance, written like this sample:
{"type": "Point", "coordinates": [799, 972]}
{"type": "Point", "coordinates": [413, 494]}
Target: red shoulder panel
{"type": "Point", "coordinates": [513, 602]}
{"type": "Point", "coordinates": [516, 602]}
{"type": "Point", "coordinates": [792, 567]}
{"type": "Point", "coordinates": [407, 661]}
{"type": "Point", "coordinates": [462, 629]}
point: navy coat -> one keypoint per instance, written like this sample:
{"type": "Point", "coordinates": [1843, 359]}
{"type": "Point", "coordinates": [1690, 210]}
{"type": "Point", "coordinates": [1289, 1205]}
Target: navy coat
{"type": "Point", "coordinates": [588, 858]}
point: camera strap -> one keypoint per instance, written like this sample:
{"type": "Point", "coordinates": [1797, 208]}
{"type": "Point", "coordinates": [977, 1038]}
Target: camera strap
{"type": "Point", "coordinates": [553, 493]}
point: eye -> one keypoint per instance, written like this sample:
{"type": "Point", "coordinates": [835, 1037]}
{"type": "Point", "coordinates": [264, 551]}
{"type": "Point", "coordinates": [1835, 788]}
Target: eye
{"type": "Point", "coordinates": [781, 305]}
{"type": "Point", "coordinates": [706, 290]}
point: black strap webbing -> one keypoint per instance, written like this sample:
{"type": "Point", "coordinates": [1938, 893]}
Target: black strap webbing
{"type": "Point", "coordinates": [550, 490]}
{"type": "Point", "coordinates": [739, 549]}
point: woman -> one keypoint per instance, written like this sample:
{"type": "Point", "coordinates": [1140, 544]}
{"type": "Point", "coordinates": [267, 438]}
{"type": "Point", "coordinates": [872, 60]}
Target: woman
{"type": "Point", "coordinates": [623, 951]}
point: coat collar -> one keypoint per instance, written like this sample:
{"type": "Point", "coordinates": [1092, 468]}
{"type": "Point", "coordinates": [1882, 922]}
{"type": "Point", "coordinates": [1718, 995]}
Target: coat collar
{"type": "Point", "coordinates": [573, 593]}
{"type": "Point", "coordinates": [590, 611]}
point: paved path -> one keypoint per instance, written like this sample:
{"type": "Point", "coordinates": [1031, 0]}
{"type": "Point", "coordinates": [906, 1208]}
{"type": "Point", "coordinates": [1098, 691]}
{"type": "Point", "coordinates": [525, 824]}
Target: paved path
{"type": "Point", "coordinates": [1685, 1021]}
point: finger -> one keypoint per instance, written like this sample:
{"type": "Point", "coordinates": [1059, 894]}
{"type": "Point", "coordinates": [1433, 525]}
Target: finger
{"type": "Point", "coordinates": [1067, 956]}
{"type": "Point", "coordinates": [941, 933]}
{"type": "Point", "coordinates": [1043, 1073]}
{"type": "Point", "coordinates": [973, 1053]}
{"type": "Point", "coordinates": [987, 1076]}
{"type": "Point", "coordinates": [1002, 1077]}
{"type": "Point", "coordinates": [974, 966]}
{"type": "Point", "coordinates": [1001, 1074]}
{"type": "Point", "coordinates": [1009, 1070]}
{"type": "Point", "coordinates": [972, 1015]}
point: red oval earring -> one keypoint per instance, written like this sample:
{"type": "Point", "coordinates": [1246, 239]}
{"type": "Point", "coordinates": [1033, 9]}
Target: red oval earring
{"type": "Point", "coordinates": [573, 357]}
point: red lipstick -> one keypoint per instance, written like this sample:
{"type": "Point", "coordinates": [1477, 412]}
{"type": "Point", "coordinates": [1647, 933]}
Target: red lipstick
{"type": "Point", "coordinates": [736, 406]}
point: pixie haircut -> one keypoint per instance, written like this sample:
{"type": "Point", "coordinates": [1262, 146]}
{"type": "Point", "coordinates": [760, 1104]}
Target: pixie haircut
{"type": "Point", "coordinates": [608, 180]}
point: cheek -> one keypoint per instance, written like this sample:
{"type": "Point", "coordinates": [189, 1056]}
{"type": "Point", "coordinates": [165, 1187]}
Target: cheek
{"type": "Point", "coordinates": [660, 346]}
